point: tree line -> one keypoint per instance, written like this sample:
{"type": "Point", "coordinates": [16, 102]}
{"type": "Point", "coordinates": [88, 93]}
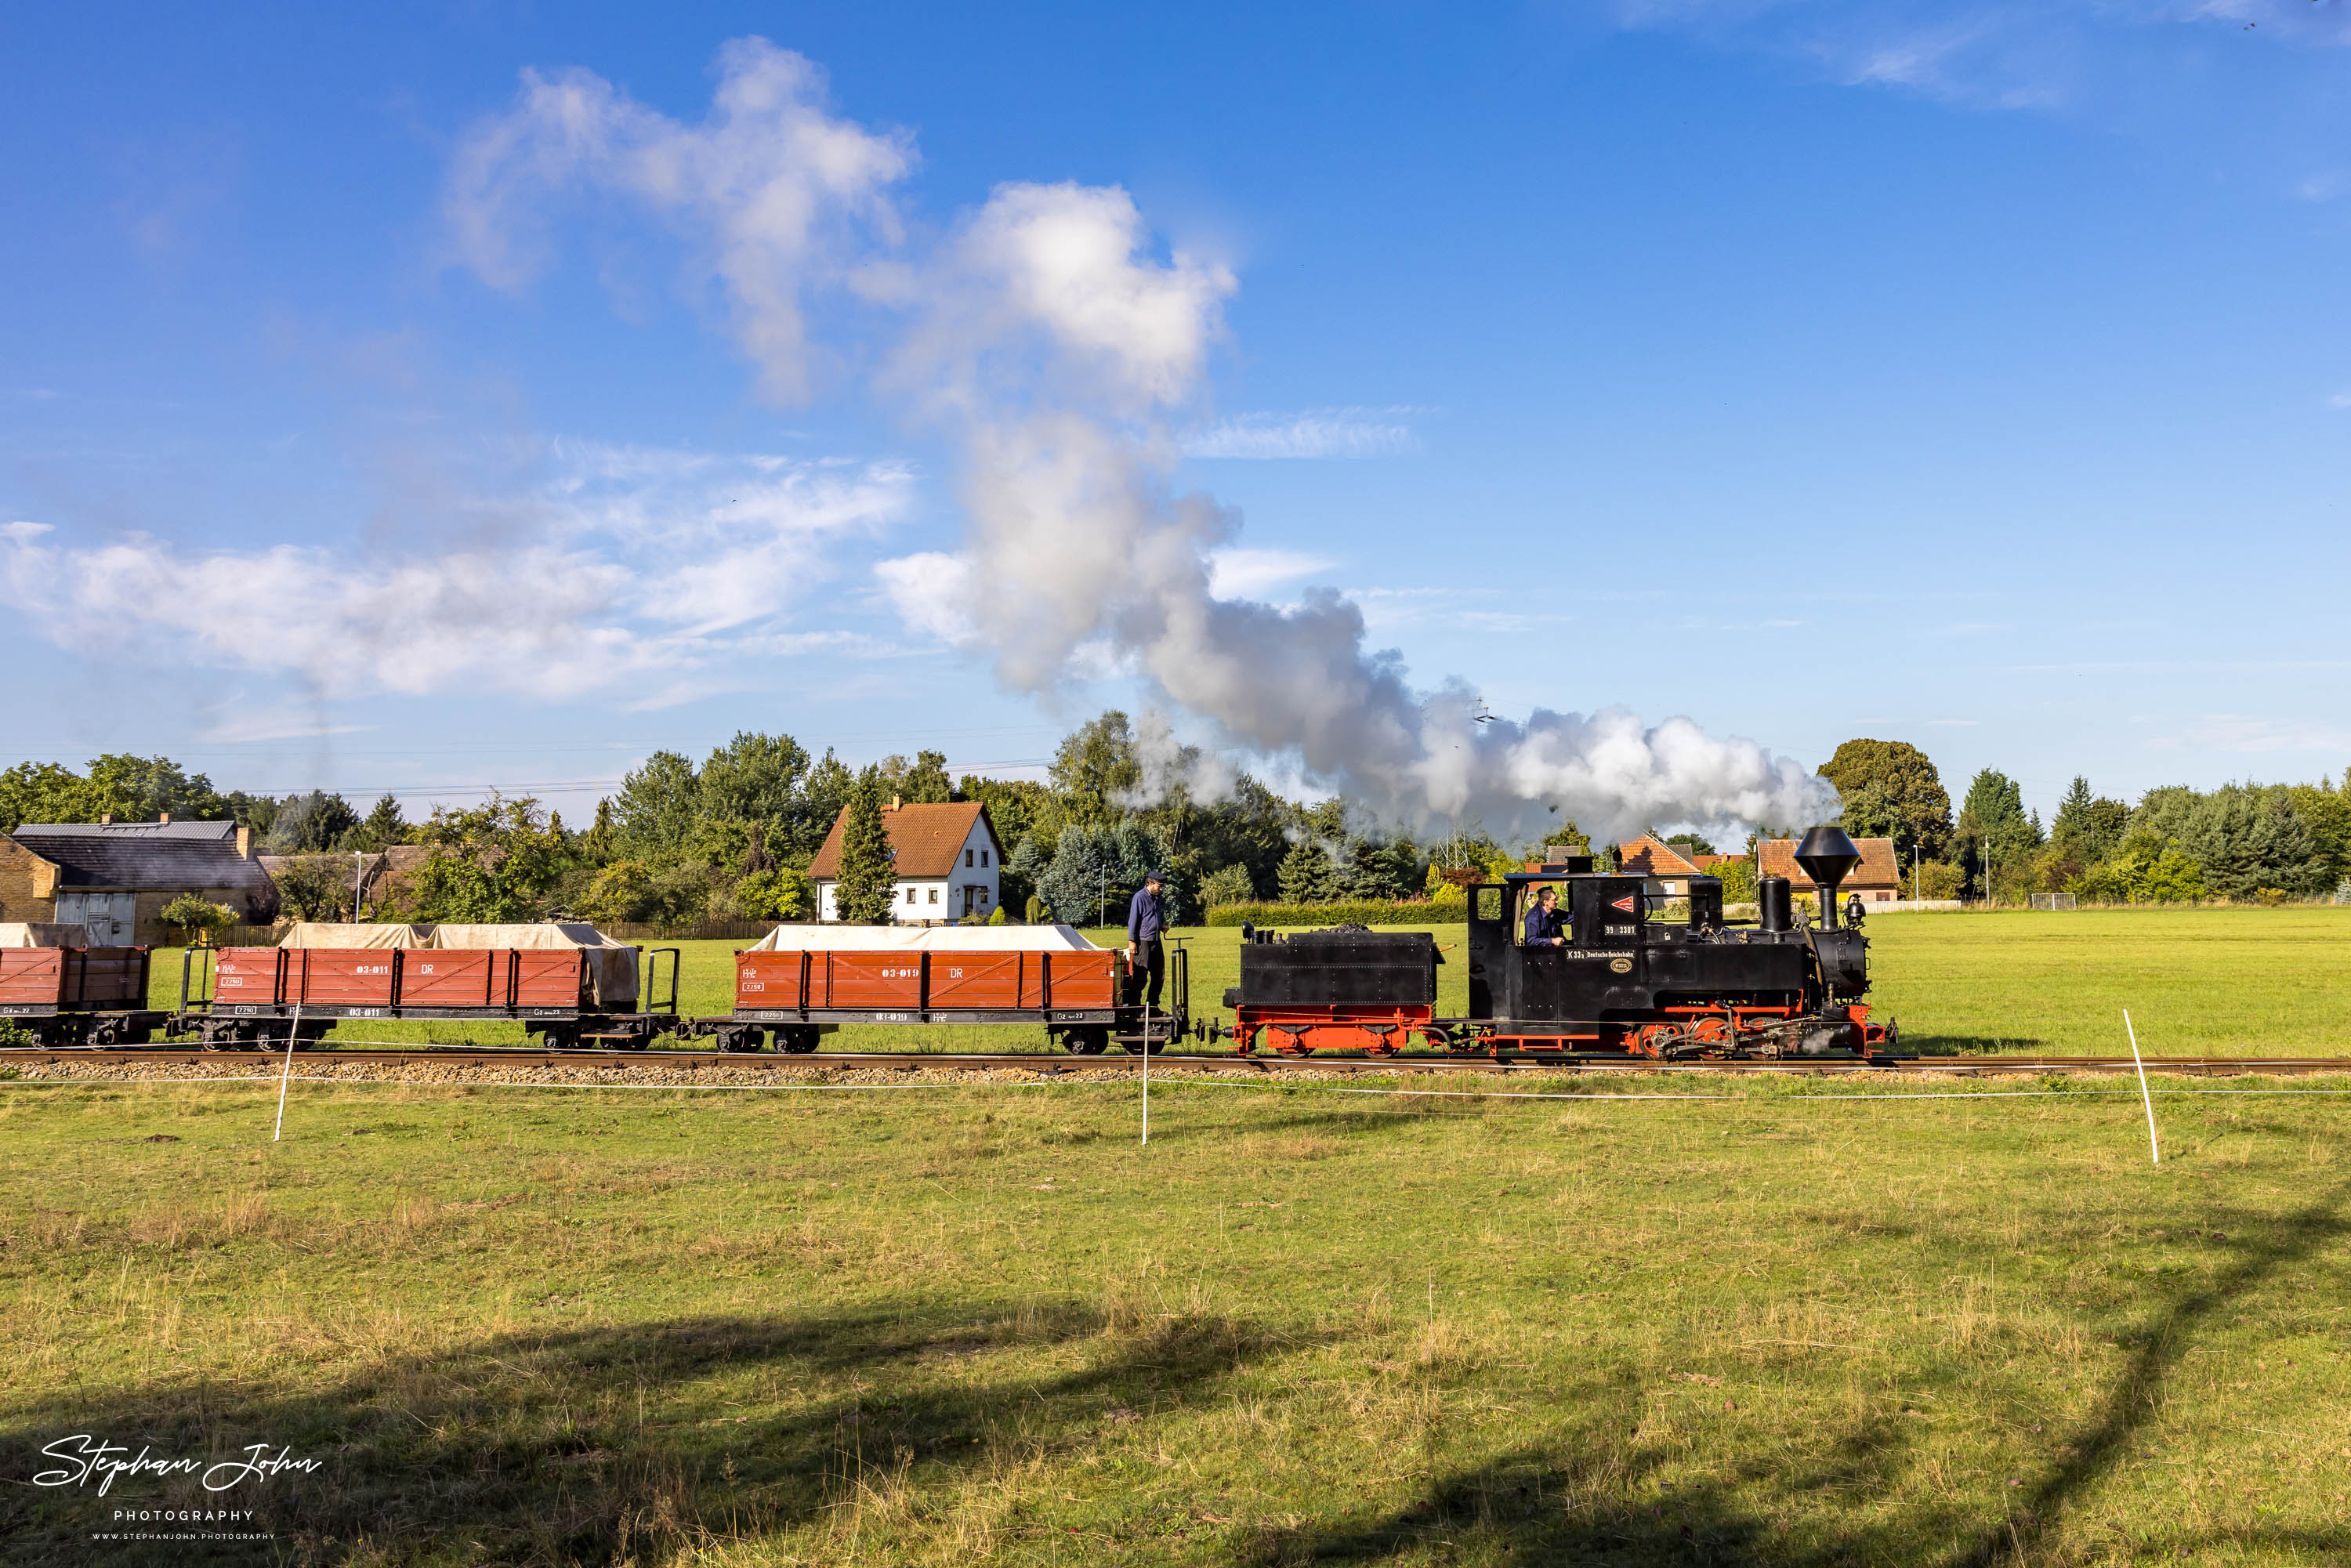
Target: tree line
{"type": "Point", "coordinates": [732, 837]}
{"type": "Point", "coordinates": [2258, 842]}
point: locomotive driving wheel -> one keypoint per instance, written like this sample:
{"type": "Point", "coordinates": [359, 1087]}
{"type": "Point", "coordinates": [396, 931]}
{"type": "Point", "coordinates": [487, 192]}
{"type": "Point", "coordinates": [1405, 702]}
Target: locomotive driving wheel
{"type": "Point", "coordinates": [1657, 1040]}
{"type": "Point", "coordinates": [1712, 1036]}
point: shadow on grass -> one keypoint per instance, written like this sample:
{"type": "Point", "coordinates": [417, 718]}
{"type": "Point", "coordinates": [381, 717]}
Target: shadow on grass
{"type": "Point", "coordinates": [1588, 1496]}
{"type": "Point", "coordinates": [2099, 1444]}
{"type": "Point", "coordinates": [617, 1444]}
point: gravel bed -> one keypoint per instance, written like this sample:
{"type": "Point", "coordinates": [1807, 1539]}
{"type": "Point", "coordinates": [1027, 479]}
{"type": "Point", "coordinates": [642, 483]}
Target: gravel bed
{"type": "Point", "coordinates": [655, 1074]}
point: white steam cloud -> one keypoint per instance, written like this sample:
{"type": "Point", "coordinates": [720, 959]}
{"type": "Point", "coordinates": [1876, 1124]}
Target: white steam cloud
{"type": "Point", "coordinates": [1048, 334]}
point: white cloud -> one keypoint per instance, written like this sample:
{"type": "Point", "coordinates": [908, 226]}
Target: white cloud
{"type": "Point", "coordinates": [1323, 432]}
{"type": "Point", "coordinates": [1998, 54]}
{"type": "Point", "coordinates": [1238, 571]}
{"type": "Point", "coordinates": [775, 193]}
{"type": "Point", "coordinates": [2340, 400]}
{"type": "Point", "coordinates": [22, 532]}
{"type": "Point", "coordinates": [629, 568]}
{"type": "Point", "coordinates": [932, 592]}
{"type": "Point", "coordinates": [233, 723]}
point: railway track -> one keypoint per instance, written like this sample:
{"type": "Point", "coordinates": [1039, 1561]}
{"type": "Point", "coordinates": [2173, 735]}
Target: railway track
{"type": "Point", "coordinates": [528, 1056]}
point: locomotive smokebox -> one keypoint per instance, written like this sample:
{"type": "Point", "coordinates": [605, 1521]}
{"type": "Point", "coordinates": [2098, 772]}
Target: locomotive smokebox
{"type": "Point", "coordinates": [1828, 857]}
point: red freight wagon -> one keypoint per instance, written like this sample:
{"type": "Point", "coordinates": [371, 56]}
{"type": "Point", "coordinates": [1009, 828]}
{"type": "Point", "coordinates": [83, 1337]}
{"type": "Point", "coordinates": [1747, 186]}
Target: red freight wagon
{"type": "Point", "coordinates": [77, 995]}
{"type": "Point", "coordinates": [480, 978]}
{"type": "Point", "coordinates": [803, 993]}
{"type": "Point", "coordinates": [585, 990]}
{"type": "Point", "coordinates": [358, 982]}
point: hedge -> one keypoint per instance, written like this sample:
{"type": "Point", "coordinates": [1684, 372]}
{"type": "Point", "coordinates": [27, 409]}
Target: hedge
{"type": "Point", "coordinates": [1415, 912]}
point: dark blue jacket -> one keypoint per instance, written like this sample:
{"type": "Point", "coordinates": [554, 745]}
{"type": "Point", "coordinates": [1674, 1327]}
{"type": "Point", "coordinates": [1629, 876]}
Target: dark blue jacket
{"type": "Point", "coordinates": [1144, 918]}
{"type": "Point", "coordinates": [1543, 924]}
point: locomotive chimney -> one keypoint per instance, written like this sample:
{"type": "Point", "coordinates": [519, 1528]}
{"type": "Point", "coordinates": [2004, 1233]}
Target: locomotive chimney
{"type": "Point", "coordinates": [1827, 857]}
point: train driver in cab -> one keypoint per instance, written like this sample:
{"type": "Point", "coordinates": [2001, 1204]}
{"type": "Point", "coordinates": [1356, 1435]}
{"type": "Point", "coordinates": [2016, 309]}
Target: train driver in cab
{"type": "Point", "coordinates": [1546, 928]}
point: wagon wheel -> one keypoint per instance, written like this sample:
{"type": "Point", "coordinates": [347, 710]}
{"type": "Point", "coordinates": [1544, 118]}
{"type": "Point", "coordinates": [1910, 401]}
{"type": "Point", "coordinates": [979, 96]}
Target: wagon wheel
{"type": "Point", "coordinates": [1289, 1041]}
{"type": "Point", "coordinates": [797, 1041]}
{"type": "Point", "coordinates": [1383, 1041]}
{"type": "Point", "coordinates": [1086, 1042]}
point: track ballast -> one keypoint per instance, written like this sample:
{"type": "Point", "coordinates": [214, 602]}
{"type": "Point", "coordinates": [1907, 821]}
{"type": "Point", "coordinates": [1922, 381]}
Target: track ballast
{"type": "Point", "coordinates": [446, 1055]}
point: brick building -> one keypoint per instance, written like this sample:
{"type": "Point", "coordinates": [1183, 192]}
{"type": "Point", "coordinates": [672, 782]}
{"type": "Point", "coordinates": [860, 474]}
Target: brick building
{"type": "Point", "coordinates": [1877, 879]}
{"type": "Point", "coordinates": [116, 877]}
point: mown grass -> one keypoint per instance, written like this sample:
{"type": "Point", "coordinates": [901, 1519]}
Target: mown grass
{"type": "Point", "coordinates": [981, 1325]}
{"type": "Point", "coordinates": [2218, 982]}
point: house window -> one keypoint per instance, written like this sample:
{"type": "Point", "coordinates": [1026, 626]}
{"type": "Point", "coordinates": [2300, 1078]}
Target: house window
{"type": "Point", "coordinates": [983, 857]}
{"type": "Point", "coordinates": [910, 895]}
{"type": "Point", "coordinates": [966, 859]}
{"type": "Point", "coordinates": [935, 896]}
{"type": "Point", "coordinates": [983, 895]}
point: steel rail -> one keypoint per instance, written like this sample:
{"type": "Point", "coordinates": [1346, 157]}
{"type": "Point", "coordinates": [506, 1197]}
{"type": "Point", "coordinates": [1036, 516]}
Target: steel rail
{"type": "Point", "coordinates": [529, 1056]}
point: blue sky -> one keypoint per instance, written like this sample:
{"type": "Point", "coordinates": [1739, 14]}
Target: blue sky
{"type": "Point", "coordinates": [1970, 375]}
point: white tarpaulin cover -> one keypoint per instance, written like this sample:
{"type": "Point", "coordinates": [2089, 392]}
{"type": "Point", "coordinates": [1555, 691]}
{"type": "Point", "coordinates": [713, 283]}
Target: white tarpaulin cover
{"type": "Point", "coordinates": [611, 965]}
{"type": "Point", "coordinates": [840, 938]}
{"type": "Point", "coordinates": [41, 933]}
{"type": "Point", "coordinates": [331, 934]}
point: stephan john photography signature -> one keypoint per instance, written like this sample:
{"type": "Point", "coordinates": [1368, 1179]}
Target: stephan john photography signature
{"type": "Point", "coordinates": [87, 1457]}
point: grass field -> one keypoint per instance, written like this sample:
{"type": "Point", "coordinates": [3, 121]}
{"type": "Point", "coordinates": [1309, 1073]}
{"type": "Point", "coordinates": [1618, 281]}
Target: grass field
{"type": "Point", "coordinates": [966, 1325]}
{"type": "Point", "coordinates": [2219, 982]}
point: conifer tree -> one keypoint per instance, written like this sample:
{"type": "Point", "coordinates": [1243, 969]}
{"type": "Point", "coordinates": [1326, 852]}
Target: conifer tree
{"type": "Point", "coordinates": [1305, 874]}
{"type": "Point", "coordinates": [867, 890]}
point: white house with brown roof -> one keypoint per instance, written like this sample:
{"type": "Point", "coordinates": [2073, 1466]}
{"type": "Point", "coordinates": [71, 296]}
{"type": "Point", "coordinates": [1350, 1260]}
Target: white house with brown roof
{"type": "Point", "coordinates": [947, 859]}
{"type": "Point", "coordinates": [1877, 879]}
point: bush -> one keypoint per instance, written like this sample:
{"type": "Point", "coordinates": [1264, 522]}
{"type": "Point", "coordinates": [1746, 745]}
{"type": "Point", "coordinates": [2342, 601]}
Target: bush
{"type": "Point", "coordinates": [995, 917]}
{"type": "Point", "coordinates": [192, 914]}
{"type": "Point", "coordinates": [1403, 911]}
{"type": "Point", "coordinates": [1938, 880]}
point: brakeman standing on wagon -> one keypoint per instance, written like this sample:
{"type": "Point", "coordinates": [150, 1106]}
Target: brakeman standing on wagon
{"type": "Point", "coordinates": [1146, 920]}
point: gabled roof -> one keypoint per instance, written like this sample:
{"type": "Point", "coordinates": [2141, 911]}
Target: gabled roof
{"type": "Point", "coordinates": [1879, 867]}
{"type": "Point", "coordinates": [1649, 855]}
{"type": "Point", "coordinates": [131, 830]}
{"type": "Point", "coordinates": [142, 854]}
{"type": "Point", "coordinates": [929, 840]}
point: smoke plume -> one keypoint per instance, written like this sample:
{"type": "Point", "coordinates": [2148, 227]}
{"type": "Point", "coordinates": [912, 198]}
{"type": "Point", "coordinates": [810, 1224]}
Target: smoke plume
{"type": "Point", "coordinates": [1047, 335]}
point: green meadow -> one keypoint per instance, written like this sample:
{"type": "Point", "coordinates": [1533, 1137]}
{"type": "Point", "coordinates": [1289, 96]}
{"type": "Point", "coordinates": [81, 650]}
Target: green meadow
{"type": "Point", "coordinates": [2209, 982]}
{"type": "Point", "coordinates": [962, 1325]}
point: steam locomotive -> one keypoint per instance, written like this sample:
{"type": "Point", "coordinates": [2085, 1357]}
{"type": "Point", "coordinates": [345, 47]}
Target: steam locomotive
{"type": "Point", "coordinates": [1621, 984]}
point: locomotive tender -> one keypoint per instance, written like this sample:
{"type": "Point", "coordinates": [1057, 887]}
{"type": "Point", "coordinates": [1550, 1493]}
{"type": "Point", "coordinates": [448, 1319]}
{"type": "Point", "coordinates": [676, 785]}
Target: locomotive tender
{"type": "Point", "coordinates": [1619, 985]}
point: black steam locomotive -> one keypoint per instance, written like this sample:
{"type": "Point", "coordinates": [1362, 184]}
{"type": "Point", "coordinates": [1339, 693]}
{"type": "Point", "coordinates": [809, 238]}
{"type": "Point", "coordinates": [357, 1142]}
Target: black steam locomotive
{"type": "Point", "coordinates": [1606, 980]}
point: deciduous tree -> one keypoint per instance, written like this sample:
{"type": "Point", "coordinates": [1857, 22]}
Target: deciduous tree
{"type": "Point", "coordinates": [1921, 808]}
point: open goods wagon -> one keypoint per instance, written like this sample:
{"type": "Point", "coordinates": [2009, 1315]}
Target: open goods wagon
{"type": "Point", "coordinates": [63, 992]}
{"type": "Point", "coordinates": [566, 983]}
{"type": "Point", "coordinates": [803, 982]}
